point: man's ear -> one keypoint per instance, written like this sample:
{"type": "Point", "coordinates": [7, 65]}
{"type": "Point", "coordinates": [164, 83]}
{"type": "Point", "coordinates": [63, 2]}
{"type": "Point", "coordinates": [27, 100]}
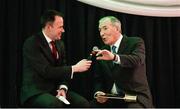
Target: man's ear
{"type": "Point", "coordinates": [118, 29]}
{"type": "Point", "coordinates": [49, 25]}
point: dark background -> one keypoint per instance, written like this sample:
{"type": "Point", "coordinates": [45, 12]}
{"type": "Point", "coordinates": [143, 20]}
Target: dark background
{"type": "Point", "coordinates": [20, 19]}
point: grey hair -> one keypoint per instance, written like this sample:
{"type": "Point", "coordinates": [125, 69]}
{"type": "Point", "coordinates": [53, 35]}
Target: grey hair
{"type": "Point", "coordinates": [115, 22]}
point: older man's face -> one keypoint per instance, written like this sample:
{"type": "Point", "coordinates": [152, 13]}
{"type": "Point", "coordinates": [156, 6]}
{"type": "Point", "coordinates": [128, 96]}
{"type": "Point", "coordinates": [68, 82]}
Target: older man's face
{"type": "Point", "coordinates": [108, 32]}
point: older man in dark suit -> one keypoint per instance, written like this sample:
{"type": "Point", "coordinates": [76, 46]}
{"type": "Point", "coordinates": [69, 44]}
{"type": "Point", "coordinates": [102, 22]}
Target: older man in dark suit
{"type": "Point", "coordinates": [120, 68]}
{"type": "Point", "coordinates": [45, 73]}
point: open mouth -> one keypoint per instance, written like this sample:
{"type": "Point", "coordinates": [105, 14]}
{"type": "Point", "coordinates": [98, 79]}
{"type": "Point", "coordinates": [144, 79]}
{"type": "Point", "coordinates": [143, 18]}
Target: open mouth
{"type": "Point", "coordinates": [104, 39]}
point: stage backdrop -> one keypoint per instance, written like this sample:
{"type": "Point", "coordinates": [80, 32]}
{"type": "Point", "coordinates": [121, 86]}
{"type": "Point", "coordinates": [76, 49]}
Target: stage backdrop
{"type": "Point", "coordinates": [20, 19]}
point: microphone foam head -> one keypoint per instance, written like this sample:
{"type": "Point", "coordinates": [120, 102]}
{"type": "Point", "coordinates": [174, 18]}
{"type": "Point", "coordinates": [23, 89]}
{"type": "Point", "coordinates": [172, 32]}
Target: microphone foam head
{"type": "Point", "coordinates": [95, 48]}
{"type": "Point", "coordinates": [94, 52]}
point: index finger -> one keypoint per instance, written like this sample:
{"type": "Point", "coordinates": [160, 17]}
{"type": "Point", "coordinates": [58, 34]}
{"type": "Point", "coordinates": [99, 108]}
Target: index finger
{"type": "Point", "coordinates": [99, 52]}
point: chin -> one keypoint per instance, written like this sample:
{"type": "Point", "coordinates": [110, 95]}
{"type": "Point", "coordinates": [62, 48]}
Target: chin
{"type": "Point", "coordinates": [59, 38]}
{"type": "Point", "coordinates": [106, 43]}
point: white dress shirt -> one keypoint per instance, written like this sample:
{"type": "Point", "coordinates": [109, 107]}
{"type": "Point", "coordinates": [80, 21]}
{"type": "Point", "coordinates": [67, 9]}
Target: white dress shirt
{"type": "Point", "coordinates": [117, 44]}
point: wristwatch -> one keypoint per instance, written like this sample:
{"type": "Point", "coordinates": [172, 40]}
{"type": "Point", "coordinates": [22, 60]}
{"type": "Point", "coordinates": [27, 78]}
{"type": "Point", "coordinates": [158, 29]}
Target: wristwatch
{"type": "Point", "coordinates": [115, 58]}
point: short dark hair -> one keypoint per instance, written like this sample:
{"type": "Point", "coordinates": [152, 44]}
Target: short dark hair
{"type": "Point", "coordinates": [49, 16]}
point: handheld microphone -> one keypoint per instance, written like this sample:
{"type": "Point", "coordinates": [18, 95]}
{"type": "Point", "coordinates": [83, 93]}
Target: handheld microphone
{"type": "Point", "coordinates": [94, 50]}
{"type": "Point", "coordinates": [93, 53]}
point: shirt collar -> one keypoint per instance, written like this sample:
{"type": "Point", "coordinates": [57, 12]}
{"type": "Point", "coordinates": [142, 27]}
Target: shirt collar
{"type": "Point", "coordinates": [46, 37]}
{"type": "Point", "coordinates": [117, 43]}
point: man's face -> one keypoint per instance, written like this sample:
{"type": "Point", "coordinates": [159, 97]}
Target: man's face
{"type": "Point", "coordinates": [108, 32]}
{"type": "Point", "coordinates": [56, 28]}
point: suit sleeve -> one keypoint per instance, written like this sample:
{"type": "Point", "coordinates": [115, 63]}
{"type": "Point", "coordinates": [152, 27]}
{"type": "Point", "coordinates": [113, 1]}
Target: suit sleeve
{"type": "Point", "coordinates": [98, 77]}
{"type": "Point", "coordinates": [134, 54]}
{"type": "Point", "coordinates": [36, 61]}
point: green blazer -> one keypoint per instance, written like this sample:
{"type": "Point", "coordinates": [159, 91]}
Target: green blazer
{"type": "Point", "coordinates": [130, 75]}
{"type": "Point", "coordinates": [41, 73]}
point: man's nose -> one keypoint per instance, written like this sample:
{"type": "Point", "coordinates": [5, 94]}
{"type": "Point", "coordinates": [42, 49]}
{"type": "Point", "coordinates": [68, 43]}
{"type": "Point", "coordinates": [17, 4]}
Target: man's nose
{"type": "Point", "coordinates": [63, 30]}
{"type": "Point", "coordinates": [102, 33]}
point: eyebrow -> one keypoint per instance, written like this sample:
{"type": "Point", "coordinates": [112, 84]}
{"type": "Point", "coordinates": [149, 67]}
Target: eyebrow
{"type": "Point", "coordinates": [103, 26]}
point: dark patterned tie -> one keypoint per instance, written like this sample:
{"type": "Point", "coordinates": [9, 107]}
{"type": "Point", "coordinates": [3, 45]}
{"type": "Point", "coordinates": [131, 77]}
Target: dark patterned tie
{"type": "Point", "coordinates": [53, 50]}
{"type": "Point", "coordinates": [114, 49]}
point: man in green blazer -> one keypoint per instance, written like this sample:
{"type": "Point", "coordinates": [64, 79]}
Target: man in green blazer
{"type": "Point", "coordinates": [120, 68]}
{"type": "Point", "coordinates": [45, 73]}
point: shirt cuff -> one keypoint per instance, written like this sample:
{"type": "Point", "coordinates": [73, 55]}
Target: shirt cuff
{"type": "Point", "coordinates": [63, 87]}
{"type": "Point", "coordinates": [72, 73]}
{"type": "Point", "coordinates": [98, 92]}
{"type": "Point", "coordinates": [118, 61]}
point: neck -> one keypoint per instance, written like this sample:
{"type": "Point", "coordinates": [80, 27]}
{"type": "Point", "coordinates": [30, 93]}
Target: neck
{"type": "Point", "coordinates": [46, 33]}
{"type": "Point", "coordinates": [116, 38]}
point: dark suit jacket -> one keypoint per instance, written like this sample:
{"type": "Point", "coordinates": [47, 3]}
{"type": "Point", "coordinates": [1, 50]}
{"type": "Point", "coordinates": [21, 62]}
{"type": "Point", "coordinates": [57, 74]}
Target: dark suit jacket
{"type": "Point", "coordinates": [130, 75]}
{"type": "Point", "coordinates": [41, 73]}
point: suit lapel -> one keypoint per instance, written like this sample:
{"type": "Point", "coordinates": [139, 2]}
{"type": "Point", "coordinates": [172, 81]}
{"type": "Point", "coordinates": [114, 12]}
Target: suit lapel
{"type": "Point", "coordinates": [108, 64]}
{"type": "Point", "coordinates": [122, 44]}
{"type": "Point", "coordinates": [45, 47]}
